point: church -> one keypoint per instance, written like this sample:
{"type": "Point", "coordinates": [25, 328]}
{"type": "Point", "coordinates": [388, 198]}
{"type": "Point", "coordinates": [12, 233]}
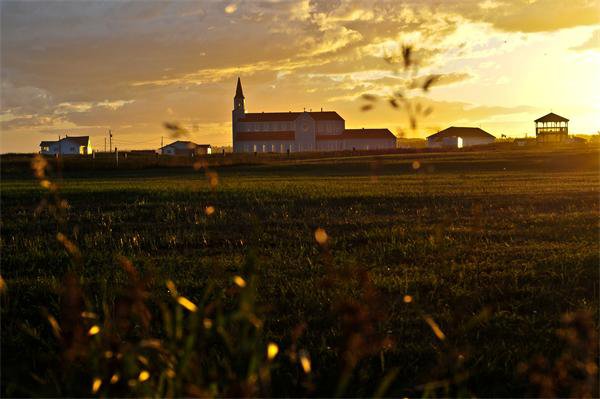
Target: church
{"type": "Point", "coordinates": [300, 131]}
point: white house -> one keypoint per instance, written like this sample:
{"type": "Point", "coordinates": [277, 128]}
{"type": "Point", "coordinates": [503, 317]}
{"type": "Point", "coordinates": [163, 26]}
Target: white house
{"type": "Point", "coordinates": [459, 137]}
{"type": "Point", "coordinates": [70, 145]}
{"type": "Point", "coordinates": [185, 148]}
{"type": "Point", "coordinates": [300, 131]}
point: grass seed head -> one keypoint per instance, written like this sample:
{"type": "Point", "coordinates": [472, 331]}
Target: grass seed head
{"type": "Point", "coordinates": [96, 385]}
{"type": "Point", "coordinates": [435, 328]}
{"type": "Point", "coordinates": [305, 363]}
{"type": "Point", "coordinates": [321, 236]}
{"type": "Point", "coordinates": [272, 350]}
{"type": "Point", "coordinates": [144, 376]}
{"type": "Point", "coordinates": [186, 303]}
{"type": "Point", "coordinates": [239, 281]}
{"type": "Point", "coordinates": [172, 288]}
{"type": "Point", "coordinates": [56, 330]}
{"type": "Point", "coordinates": [94, 330]}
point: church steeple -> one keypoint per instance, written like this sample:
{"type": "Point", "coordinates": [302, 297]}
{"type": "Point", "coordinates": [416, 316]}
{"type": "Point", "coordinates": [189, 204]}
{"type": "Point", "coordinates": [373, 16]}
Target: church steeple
{"type": "Point", "coordinates": [239, 109]}
{"type": "Point", "coordinates": [238, 100]}
{"type": "Point", "coordinates": [239, 93]}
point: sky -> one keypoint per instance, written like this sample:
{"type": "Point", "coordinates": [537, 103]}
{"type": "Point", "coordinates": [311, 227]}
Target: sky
{"type": "Point", "coordinates": [84, 67]}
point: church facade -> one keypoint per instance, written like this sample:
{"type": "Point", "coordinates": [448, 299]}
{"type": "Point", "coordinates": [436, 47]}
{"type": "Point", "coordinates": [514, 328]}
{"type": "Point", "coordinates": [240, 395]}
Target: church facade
{"type": "Point", "coordinates": [300, 131]}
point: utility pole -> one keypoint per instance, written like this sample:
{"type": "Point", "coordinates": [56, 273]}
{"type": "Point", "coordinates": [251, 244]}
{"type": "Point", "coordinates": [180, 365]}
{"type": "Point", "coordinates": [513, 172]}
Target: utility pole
{"type": "Point", "coordinates": [109, 140]}
{"type": "Point", "coordinates": [161, 145]}
{"type": "Point", "coordinates": [105, 144]}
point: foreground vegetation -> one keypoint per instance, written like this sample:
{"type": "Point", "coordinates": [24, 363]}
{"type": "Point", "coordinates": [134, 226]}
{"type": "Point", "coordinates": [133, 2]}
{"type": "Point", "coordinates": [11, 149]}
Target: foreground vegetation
{"type": "Point", "coordinates": [406, 275]}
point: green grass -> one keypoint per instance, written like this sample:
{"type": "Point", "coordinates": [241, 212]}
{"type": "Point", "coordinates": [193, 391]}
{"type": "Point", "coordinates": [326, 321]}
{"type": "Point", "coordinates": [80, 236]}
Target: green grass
{"type": "Point", "coordinates": [494, 247]}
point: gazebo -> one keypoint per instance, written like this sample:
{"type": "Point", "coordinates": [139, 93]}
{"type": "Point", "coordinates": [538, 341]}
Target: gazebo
{"type": "Point", "coordinates": [552, 128]}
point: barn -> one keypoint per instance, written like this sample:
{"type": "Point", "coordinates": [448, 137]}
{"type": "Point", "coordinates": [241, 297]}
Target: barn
{"type": "Point", "coordinates": [459, 137]}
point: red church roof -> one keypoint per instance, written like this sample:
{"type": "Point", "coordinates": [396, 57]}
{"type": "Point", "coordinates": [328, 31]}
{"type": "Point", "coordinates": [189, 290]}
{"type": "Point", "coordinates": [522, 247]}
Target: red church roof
{"type": "Point", "coordinates": [289, 116]}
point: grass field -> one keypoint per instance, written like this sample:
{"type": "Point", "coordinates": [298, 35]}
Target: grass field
{"type": "Point", "coordinates": [448, 275]}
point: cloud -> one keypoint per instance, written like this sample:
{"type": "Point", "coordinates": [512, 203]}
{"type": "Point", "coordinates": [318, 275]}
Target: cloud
{"type": "Point", "coordinates": [543, 15]}
{"type": "Point", "coordinates": [97, 64]}
{"type": "Point", "coordinates": [593, 43]}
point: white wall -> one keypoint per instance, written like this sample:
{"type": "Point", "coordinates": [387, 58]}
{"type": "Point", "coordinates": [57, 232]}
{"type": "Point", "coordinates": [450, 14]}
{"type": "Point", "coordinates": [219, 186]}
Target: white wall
{"type": "Point", "coordinates": [265, 146]}
{"type": "Point", "coordinates": [469, 141]}
{"type": "Point", "coordinates": [453, 142]}
{"type": "Point", "coordinates": [67, 147]}
{"type": "Point", "coordinates": [306, 130]}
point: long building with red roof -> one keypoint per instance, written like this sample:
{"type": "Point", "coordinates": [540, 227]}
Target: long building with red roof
{"type": "Point", "coordinates": [300, 131]}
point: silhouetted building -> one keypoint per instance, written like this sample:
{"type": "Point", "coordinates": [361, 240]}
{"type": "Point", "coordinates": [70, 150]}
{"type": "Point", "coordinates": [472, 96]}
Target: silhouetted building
{"type": "Point", "coordinates": [552, 128]}
{"type": "Point", "coordinates": [75, 145]}
{"type": "Point", "coordinates": [185, 148]}
{"type": "Point", "coordinates": [300, 131]}
{"type": "Point", "coordinates": [459, 137]}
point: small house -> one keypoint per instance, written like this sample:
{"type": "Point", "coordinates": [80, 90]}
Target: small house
{"type": "Point", "coordinates": [69, 145]}
{"type": "Point", "coordinates": [185, 148]}
{"type": "Point", "coordinates": [459, 137]}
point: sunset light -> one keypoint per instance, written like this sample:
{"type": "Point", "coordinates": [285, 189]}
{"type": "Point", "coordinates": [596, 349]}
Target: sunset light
{"type": "Point", "coordinates": [300, 198]}
{"type": "Point", "coordinates": [84, 68]}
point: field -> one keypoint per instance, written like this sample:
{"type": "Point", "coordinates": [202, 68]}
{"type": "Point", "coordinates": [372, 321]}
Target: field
{"type": "Point", "coordinates": [415, 275]}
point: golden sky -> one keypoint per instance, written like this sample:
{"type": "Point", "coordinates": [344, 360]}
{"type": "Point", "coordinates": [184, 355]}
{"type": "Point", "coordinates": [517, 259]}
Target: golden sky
{"type": "Point", "coordinates": [80, 68]}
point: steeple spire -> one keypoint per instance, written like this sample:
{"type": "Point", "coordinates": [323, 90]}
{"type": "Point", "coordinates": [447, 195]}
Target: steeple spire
{"type": "Point", "coordinates": [239, 93]}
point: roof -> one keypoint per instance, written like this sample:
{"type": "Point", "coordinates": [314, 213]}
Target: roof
{"type": "Point", "coordinates": [80, 140]}
{"type": "Point", "coordinates": [238, 90]}
{"type": "Point", "coordinates": [280, 135]}
{"type": "Point", "coordinates": [551, 117]}
{"type": "Point", "coordinates": [454, 131]}
{"type": "Point", "coordinates": [185, 144]}
{"type": "Point", "coordinates": [289, 116]}
{"type": "Point", "coordinates": [359, 134]}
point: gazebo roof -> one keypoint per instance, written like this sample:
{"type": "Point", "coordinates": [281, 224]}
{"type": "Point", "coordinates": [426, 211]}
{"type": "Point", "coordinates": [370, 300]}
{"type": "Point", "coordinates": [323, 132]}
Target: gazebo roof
{"type": "Point", "coordinates": [552, 117]}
